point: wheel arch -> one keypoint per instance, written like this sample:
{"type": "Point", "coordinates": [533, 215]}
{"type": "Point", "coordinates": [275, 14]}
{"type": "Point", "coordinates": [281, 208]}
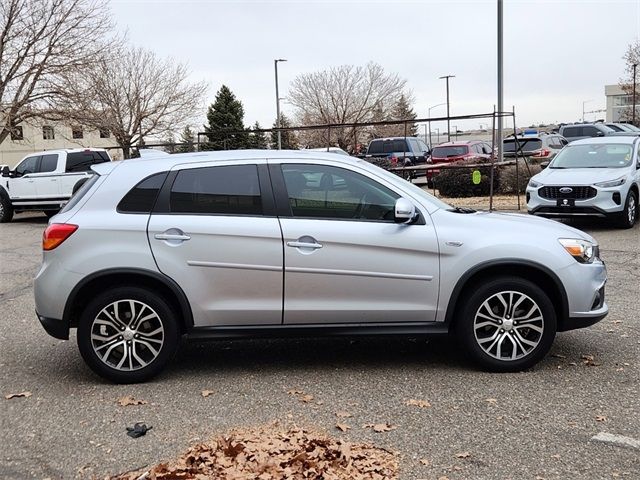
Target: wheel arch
{"type": "Point", "coordinates": [99, 281]}
{"type": "Point", "coordinates": [542, 276]}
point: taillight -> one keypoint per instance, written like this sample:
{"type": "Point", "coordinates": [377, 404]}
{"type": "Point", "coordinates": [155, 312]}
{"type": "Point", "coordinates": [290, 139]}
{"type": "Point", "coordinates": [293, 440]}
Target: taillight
{"type": "Point", "coordinates": [543, 152]}
{"type": "Point", "coordinates": [57, 233]}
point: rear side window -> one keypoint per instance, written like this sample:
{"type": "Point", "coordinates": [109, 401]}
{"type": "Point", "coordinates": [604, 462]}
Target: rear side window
{"type": "Point", "coordinates": [525, 144]}
{"type": "Point", "coordinates": [48, 163]}
{"type": "Point", "coordinates": [385, 147]}
{"type": "Point", "coordinates": [572, 132]}
{"type": "Point", "coordinates": [142, 197]}
{"type": "Point", "coordinates": [82, 161]}
{"type": "Point", "coordinates": [230, 190]}
{"type": "Point", "coordinates": [452, 151]}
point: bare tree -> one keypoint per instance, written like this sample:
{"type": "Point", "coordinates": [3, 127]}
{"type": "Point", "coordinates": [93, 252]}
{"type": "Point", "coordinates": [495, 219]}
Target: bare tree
{"type": "Point", "coordinates": [631, 57]}
{"type": "Point", "coordinates": [345, 94]}
{"type": "Point", "coordinates": [134, 94]}
{"type": "Point", "coordinates": [41, 41]}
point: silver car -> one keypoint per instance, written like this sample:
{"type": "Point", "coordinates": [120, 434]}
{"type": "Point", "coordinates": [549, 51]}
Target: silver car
{"type": "Point", "coordinates": [244, 244]}
{"type": "Point", "coordinates": [596, 177]}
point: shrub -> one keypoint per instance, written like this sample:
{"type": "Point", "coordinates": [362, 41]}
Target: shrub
{"type": "Point", "coordinates": [457, 182]}
{"type": "Point", "coordinates": [508, 177]}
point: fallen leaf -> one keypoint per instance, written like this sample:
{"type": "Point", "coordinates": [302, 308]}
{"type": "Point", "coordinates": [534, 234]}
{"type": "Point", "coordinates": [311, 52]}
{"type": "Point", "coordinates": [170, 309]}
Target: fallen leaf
{"type": "Point", "coordinates": [380, 427]}
{"type": "Point", "coordinates": [418, 403]}
{"type": "Point", "coordinates": [589, 360]}
{"type": "Point", "coordinates": [555, 456]}
{"type": "Point", "coordinates": [425, 462]}
{"type": "Point", "coordinates": [601, 418]}
{"type": "Point", "coordinates": [444, 477]}
{"type": "Point", "coordinates": [18, 395]}
{"type": "Point", "coordinates": [491, 401]}
{"type": "Point", "coordinates": [558, 355]}
{"type": "Point", "coordinates": [306, 398]}
{"type": "Point", "coordinates": [343, 427]}
{"type": "Point", "coordinates": [573, 364]}
{"type": "Point", "coordinates": [463, 455]}
{"type": "Point", "coordinates": [294, 391]}
{"type": "Point", "coordinates": [129, 400]}
{"type": "Point", "coordinates": [343, 414]}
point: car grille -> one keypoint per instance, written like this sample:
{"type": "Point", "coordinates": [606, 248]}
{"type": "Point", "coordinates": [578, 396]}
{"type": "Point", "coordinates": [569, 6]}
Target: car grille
{"type": "Point", "coordinates": [578, 193]}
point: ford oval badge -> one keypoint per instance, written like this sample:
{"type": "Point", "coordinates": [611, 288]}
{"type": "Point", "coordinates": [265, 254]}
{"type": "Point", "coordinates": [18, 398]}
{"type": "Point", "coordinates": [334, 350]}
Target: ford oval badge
{"type": "Point", "coordinates": [566, 190]}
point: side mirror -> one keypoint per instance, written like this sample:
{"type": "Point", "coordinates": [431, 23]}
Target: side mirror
{"type": "Point", "coordinates": [404, 211]}
{"type": "Point", "coordinates": [5, 171]}
{"type": "Point", "coordinates": [544, 165]}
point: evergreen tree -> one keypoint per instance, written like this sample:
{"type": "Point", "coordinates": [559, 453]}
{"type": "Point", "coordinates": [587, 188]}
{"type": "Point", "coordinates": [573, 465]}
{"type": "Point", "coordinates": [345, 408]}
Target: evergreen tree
{"type": "Point", "coordinates": [225, 115]}
{"type": "Point", "coordinates": [187, 141]}
{"type": "Point", "coordinates": [403, 111]}
{"type": "Point", "coordinates": [289, 139]}
{"type": "Point", "coordinates": [257, 140]}
{"type": "Point", "coordinates": [170, 142]}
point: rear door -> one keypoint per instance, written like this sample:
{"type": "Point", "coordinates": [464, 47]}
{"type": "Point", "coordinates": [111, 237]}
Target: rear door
{"type": "Point", "coordinates": [214, 232]}
{"type": "Point", "coordinates": [346, 260]}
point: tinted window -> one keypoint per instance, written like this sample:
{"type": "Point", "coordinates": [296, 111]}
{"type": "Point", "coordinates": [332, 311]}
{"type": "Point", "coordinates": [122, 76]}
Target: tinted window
{"type": "Point", "coordinates": [142, 197]}
{"type": "Point", "coordinates": [525, 144]}
{"type": "Point", "coordinates": [82, 161]}
{"type": "Point", "coordinates": [589, 131]}
{"type": "Point", "coordinates": [422, 146]}
{"type": "Point", "coordinates": [572, 132]}
{"type": "Point", "coordinates": [48, 163]}
{"type": "Point", "coordinates": [452, 151]}
{"type": "Point", "coordinates": [227, 190]}
{"type": "Point", "coordinates": [28, 165]}
{"type": "Point", "coordinates": [321, 191]}
{"type": "Point", "coordinates": [385, 147]}
{"type": "Point", "coordinates": [415, 147]}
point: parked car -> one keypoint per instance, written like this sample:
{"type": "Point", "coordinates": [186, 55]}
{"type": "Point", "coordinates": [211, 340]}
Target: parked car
{"type": "Point", "coordinates": [619, 127]}
{"type": "Point", "coordinates": [597, 177]}
{"type": "Point", "coordinates": [450, 152]}
{"type": "Point", "coordinates": [44, 181]}
{"type": "Point", "coordinates": [535, 147]}
{"type": "Point", "coordinates": [587, 130]}
{"type": "Point", "coordinates": [245, 244]}
{"type": "Point", "coordinates": [401, 151]}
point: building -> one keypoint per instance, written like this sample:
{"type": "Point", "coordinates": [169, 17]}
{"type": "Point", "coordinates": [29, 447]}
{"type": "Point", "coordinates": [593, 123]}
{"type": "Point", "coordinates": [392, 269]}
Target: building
{"type": "Point", "coordinates": [40, 135]}
{"type": "Point", "coordinates": [618, 102]}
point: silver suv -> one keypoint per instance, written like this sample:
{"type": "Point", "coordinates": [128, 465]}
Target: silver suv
{"type": "Point", "coordinates": [257, 243]}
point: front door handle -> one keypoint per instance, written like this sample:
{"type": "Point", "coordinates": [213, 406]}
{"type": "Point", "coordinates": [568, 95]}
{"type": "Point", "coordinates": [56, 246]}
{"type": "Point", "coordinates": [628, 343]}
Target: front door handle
{"type": "Point", "coordinates": [172, 236]}
{"type": "Point", "coordinates": [313, 245]}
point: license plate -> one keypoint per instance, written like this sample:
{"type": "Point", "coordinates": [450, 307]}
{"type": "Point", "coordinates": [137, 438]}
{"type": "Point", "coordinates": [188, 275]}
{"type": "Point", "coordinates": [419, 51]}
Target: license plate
{"type": "Point", "coordinates": [566, 202]}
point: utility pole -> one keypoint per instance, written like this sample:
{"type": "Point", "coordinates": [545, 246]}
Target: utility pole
{"type": "Point", "coordinates": [446, 78]}
{"type": "Point", "coordinates": [500, 82]}
{"type": "Point", "coordinates": [275, 64]}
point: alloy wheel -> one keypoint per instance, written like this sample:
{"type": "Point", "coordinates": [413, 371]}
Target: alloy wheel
{"type": "Point", "coordinates": [127, 335]}
{"type": "Point", "coordinates": [631, 210]}
{"type": "Point", "coordinates": [508, 326]}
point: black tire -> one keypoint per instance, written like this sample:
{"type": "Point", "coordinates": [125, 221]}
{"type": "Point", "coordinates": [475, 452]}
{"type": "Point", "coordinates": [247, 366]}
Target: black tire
{"type": "Point", "coordinates": [51, 213]}
{"type": "Point", "coordinates": [627, 218]}
{"type": "Point", "coordinates": [114, 346]}
{"type": "Point", "coordinates": [6, 209]}
{"type": "Point", "coordinates": [480, 343]}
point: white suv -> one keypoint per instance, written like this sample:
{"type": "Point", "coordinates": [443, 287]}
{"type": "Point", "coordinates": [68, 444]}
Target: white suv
{"type": "Point", "coordinates": [46, 180]}
{"type": "Point", "coordinates": [598, 177]}
{"type": "Point", "coordinates": [248, 243]}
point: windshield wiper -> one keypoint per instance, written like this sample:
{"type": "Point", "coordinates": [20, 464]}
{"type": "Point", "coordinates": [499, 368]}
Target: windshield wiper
{"type": "Point", "coordinates": [462, 210]}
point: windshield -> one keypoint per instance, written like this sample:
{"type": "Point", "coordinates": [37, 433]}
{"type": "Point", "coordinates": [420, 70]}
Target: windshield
{"type": "Point", "coordinates": [526, 144]}
{"type": "Point", "coordinates": [598, 155]}
{"type": "Point", "coordinates": [444, 152]}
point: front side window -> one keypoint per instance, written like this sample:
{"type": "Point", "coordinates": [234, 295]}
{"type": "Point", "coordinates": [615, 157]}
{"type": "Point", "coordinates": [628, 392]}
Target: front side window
{"type": "Point", "coordinates": [28, 165]}
{"type": "Point", "coordinates": [321, 191]}
{"type": "Point", "coordinates": [230, 190]}
{"type": "Point", "coordinates": [48, 163]}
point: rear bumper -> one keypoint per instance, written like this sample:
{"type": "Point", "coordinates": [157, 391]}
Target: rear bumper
{"type": "Point", "coordinates": [54, 327]}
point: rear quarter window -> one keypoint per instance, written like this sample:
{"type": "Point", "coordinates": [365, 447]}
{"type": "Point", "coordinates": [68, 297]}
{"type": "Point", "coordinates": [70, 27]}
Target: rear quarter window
{"type": "Point", "coordinates": [82, 161]}
{"type": "Point", "coordinates": [142, 197]}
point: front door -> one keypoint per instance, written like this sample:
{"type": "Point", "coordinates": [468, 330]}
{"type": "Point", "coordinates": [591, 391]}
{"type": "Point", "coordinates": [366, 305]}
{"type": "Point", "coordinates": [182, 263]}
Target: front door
{"type": "Point", "coordinates": [211, 233]}
{"type": "Point", "coordinates": [346, 260]}
{"type": "Point", "coordinates": [23, 185]}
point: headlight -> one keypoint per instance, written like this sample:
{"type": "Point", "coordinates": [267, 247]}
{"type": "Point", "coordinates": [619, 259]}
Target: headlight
{"type": "Point", "coordinates": [611, 183]}
{"type": "Point", "coordinates": [582, 250]}
{"type": "Point", "coordinates": [533, 184]}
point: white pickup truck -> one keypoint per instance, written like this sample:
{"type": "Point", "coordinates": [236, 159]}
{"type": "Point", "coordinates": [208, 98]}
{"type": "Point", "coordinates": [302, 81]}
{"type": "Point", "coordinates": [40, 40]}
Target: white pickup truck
{"type": "Point", "coordinates": [45, 181]}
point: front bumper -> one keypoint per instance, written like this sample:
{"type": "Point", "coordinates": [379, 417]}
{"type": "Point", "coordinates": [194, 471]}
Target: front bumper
{"type": "Point", "coordinates": [606, 202]}
{"type": "Point", "coordinates": [54, 327]}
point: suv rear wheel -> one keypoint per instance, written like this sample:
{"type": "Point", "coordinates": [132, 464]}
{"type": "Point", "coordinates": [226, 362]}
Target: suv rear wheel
{"type": "Point", "coordinates": [127, 334]}
{"type": "Point", "coordinates": [508, 324]}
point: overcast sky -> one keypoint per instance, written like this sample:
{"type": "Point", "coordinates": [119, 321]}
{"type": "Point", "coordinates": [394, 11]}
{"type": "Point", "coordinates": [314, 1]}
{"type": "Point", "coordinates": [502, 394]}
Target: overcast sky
{"type": "Point", "coordinates": [557, 53]}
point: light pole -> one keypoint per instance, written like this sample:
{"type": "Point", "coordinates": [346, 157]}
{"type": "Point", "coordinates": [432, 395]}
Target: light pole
{"type": "Point", "coordinates": [633, 113]}
{"type": "Point", "coordinates": [275, 65]}
{"type": "Point", "coordinates": [583, 103]}
{"type": "Point", "coordinates": [429, 115]}
{"type": "Point", "coordinates": [447, 77]}
{"type": "Point", "coordinates": [438, 135]}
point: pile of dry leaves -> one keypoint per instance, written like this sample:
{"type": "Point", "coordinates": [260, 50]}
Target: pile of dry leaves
{"type": "Point", "coordinates": [275, 453]}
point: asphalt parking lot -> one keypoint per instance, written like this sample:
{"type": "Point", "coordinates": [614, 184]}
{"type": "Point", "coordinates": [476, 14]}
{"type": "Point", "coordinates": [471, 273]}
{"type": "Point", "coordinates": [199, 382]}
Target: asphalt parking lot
{"type": "Point", "coordinates": [532, 425]}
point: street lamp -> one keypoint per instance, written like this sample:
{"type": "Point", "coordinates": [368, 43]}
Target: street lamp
{"type": "Point", "coordinates": [429, 115]}
{"type": "Point", "coordinates": [447, 77]}
{"type": "Point", "coordinates": [583, 103]}
{"type": "Point", "coordinates": [275, 65]}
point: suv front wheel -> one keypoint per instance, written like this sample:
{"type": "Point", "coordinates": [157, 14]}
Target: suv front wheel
{"type": "Point", "coordinates": [127, 334]}
{"type": "Point", "coordinates": [628, 216]}
{"type": "Point", "coordinates": [508, 324]}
